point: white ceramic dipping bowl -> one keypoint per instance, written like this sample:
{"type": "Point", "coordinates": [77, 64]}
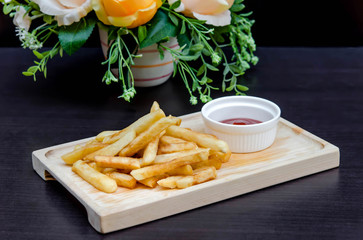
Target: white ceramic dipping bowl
{"type": "Point", "coordinates": [242, 138]}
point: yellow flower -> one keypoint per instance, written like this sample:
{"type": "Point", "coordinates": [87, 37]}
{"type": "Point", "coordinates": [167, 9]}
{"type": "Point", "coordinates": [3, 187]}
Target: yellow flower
{"type": "Point", "coordinates": [215, 12]}
{"type": "Point", "coordinates": [125, 13]}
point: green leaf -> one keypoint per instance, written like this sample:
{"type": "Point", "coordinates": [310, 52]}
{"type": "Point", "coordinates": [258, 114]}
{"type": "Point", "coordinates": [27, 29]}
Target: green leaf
{"type": "Point", "coordinates": [184, 40]}
{"type": "Point", "coordinates": [203, 80]}
{"type": "Point", "coordinates": [195, 85]}
{"type": "Point", "coordinates": [242, 88]}
{"type": "Point", "coordinates": [48, 19]}
{"type": "Point", "coordinates": [141, 33]}
{"type": "Point", "coordinates": [237, 7]}
{"type": "Point", "coordinates": [53, 52]}
{"type": "Point", "coordinates": [38, 54]}
{"type": "Point", "coordinates": [161, 52]}
{"type": "Point", "coordinates": [8, 8]}
{"type": "Point", "coordinates": [35, 12]}
{"type": "Point", "coordinates": [114, 57]}
{"type": "Point", "coordinates": [189, 57]}
{"type": "Point", "coordinates": [28, 74]}
{"type": "Point", "coordinates": [223, 86]}
{"type": "Point", "coordinates": [175, 5]}
{"type": "Point", "coordinates": [174, 19]}
{"type": "Point", "coordinates": [61, 52]}
{"type": "Point", "coordinates": [230, 88]}
{"type": "Point", "coordinates": [182, 30]}
{"type": "Point", "coordinates": [201, 70]}
{"type": "Point", "coordinates": [211, 67]}
{"type": "Point", "coordinates": [236, 69]}
{"type": "Point", "coordinates": [32, 69]}
{"type": "Point", "coordinates": [161, 27]}
{"type": "Point", "coordinates": [206, 52]}
{"type": "Point", "coordinates": [74, 36]}
{"type": "Point", "coordinates": [196, 47]}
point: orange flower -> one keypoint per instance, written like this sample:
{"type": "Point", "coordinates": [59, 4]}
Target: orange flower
{"type": "Point", "coordinates": [125, 13]}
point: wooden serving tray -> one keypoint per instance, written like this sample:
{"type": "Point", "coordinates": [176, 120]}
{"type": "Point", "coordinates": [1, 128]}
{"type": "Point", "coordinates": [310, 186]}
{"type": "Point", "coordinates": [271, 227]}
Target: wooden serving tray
{"type": "Point", "coordinates": [295, 153]}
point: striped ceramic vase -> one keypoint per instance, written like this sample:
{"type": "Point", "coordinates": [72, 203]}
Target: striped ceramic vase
{"type": "Point", "coordinates": [149, 70]}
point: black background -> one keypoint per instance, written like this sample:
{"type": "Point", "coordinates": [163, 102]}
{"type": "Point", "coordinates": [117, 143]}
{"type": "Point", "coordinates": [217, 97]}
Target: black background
{"type": "Point", "coordinates": [280, 23]}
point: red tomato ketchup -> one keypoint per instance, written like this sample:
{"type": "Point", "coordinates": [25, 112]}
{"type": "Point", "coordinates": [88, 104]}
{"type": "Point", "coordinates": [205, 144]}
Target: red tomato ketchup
{"type": "Point", "coordinates": [240, 121]}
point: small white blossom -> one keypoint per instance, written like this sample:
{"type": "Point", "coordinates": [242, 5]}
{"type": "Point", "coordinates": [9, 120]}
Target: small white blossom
{"type": "Point", "coordinates": [27, 39]}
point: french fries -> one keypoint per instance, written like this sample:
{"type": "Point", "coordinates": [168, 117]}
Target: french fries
{"type": "Point", "coordinates": [145, 137]}
{"type": "Point", "coordinates": [155, 107]}
{"type": "Point", "coordinates": [162, 168]}
{"type": "Point", "coordinates": [150, 151]}
{"type": "Point", "coordinates": [153, 151]}
{"type": "Point", "coordinates": [114, 148]}
{"type": "Point", "coordinates": [152, 182]}
{"type": "Point", "coordinates": [104, 134]}
{"type": "Point", "coordinates": [176, 147]}
{"type": "Point", "coordinates": [139, 125]}
{"type": "Point", "coordinates": [199, 176]}
{"type": "Point", "coordinates": [81, 152]}
{"type": "Point", "coordinates": [95, 178]}
{"type": "Point", "coordinates": [122, 179]}
{"type": "Point", "coordinates": [117, 162]}
{"type": "Point", "coordinates": [202, 139]}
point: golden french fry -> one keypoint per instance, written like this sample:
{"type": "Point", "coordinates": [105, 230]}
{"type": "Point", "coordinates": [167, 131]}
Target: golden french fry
{"type": "Point", "coordinates": [163, 158]}
{"type": "Point", "coordinates": [202, 139]}
{"type": "Point", "coordinates": [106, 170]}
{"type": "Point", "coordinates": [168, 139]}
{"type": "Point", "coordinates": [150, 152]}
{"type": "Point", "coordinates": [152, 181]}
{"type": "Point", "coordinates": [114, 148]}
{"type": "Point", "coordinates": [127, 171]}
{"type": "Point", "coordinates": [199, 176]}
{"type": "Point", "coordinates": [176, 147]}
{"type": "Point", "coordinates": [185, 182]}
{"type": "Point", "coordinates": [183, 170]}
{"type": "Point", "coordinates": [95, 167]}
{"type": "Point", "coordinates": [139, 125]}
{"type": "Point", "coordinates": [93, 177]}
{"type": "Point", "coordinates": [104, 134]}
{"type": "Point", "coordinates": [117, 162]}
{"type": "Point", "coordinates": [169, 182]}
{"type": "Point", "coordinates": [81, 152]}
{"type": "Point", "coordinates": [145, 137]}
{"type": "Point", "coordinates": [122, 179]}
{"type": "Point", "coordinates": [204, 174]}
{"type": "Point", "coordinates": [215, 162]}
{"type": "Point", "coordinates": [155, 106]}
{"type": "Point", "coordinates": [154, 170]}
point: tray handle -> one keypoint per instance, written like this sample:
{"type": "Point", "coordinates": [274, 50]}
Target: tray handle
{"type": "Point", "coordinates": [39, 168]}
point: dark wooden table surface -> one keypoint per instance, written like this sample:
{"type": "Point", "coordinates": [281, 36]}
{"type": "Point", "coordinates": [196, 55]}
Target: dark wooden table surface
{"type": "Point", "coordinates": [319, 89]}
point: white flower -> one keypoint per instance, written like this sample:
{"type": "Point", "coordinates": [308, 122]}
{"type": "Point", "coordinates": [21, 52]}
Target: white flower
{"type": "Point", "coordinates": [27, 39]}
{"type": "Point", "coordinates": [214, 12]}
{"type": "Point", "coordinates": [7, 1]}
{"type": "Point", "coordinates": [65, 12]}
{"type": "Point", "coordinates": [21, 18]}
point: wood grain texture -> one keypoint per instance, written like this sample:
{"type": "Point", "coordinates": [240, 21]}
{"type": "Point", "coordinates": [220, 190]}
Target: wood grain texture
{"type": "Point", "coordinates": [295, 153]}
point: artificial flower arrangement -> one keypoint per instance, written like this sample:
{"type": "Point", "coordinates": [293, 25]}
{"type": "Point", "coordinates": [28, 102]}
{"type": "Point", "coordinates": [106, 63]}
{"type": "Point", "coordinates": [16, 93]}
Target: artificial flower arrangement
{"type": "Point", "coordinates": [203, 28]}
